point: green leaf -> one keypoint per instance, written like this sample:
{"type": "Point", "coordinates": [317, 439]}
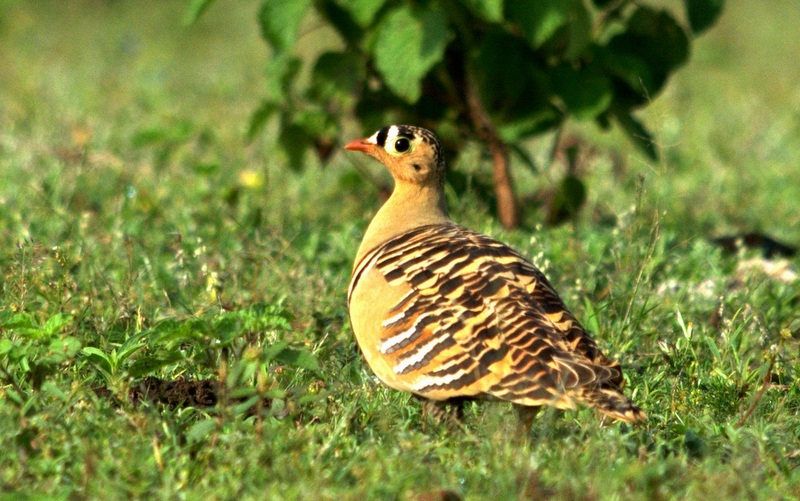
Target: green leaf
{"type": "Point", "coordinates": [280, 73]}
{"type": "Point", "coordinates": [149, 136]}
{"type": "Point", "coordinates": [586, 92]}
{"type": "Point", "coordinates": [98, 358]}
{"type": "Point", "coordinates": [54, 391]}
{"type": "Point", "coordinates": [663, 39]}
{"type": "Point", "coordinates": [336, 77]}
{"type": "Point", "coordinates": [341, 20]}
{"type": "Point", "coordinates": [227, 329]}
{"type": "Point", "coordinates": [591, 320]}
{"type": "Point", "coordinates": [196, 9]}
{"type": "Point", "coordinates": [502, 81]}
{"type": "Point", "coordinates": [14, 396]}
{"type": "Point", "coordinates": [55, 323]}
{"type": "Point", "coordinates": [643, 57]}
{"type": "Point", "coordinates": [407, 45]}
{"type": "Point", "coordinates": [280, 20]}
{"type": "Point", "coordinates": [133, 344]}
{"type": "Point", "coordinates": [375, 109]}
{"type": "Point", "coordinates": [567, 200]}
{"type": "Point", "coordinates": [6, 345]}
{"type": "Point", "coordinates": [579, 31]}
{"type": "Point", "coordinates": [538, 19]}
{"type": "Point", "coordinates": [245, 406]}
{"type": "Point", "coordinates": [302, 359]}
{"type": "Point", "coordinates": [458, 181]}
{"type": "Point", "coordinates": [637, 132]}
{"type": "Point", "coordinates": [259, 118]}
{"type": "Point", "coordinates": [173, 133]}
{"type": "Point", "coordinates": [21, 323]}
{"type": "Point", "coordinates": [174, 331]}
{"type": "Point", "coordinates": [149, 364]}
{"type": "Point", "coordinates": [363, 11]}
{"type": "Point", "coordinates": [488, 10]}
{"type": "Point", "coordinates": [64, 349]}
{"type": "Point", "coordinates": [702, 14]}
{"type": "Point", "coordinates": [315, 122]}
{"type": "Point", "coordinates": [274, 349]}
{"type": "Point", "coordinates": [296, 357]}
{"type": "Point", "coordinates": [514, 89]}
{"type": "Point", "coordinates": [201, 431]}
{"type": "Point", "coordinates": [92, 351]}
{"type": "Point", "coordinates": [529, 124]}
{"type": "Point", "coordinates": [526, 158]}
{"type": "Point", "coordinates": [294, 142]}
{"type": "Point", "coordinates": [712, 346]}
{"type": "Point", "coordinates": [205, 169]}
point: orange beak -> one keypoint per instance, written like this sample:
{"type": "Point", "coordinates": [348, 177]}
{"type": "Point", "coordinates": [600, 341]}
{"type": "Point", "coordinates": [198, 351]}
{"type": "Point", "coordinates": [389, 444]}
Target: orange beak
{"type": "Point", "coordinates": [359, 145]}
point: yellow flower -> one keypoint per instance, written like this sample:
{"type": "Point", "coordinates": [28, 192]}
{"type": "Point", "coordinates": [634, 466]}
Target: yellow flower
{"type": "Point", "coordinates": [251, 178]}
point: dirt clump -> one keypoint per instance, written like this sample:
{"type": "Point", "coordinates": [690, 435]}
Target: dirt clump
{"type": "Point", "coordinates": [180, 392]}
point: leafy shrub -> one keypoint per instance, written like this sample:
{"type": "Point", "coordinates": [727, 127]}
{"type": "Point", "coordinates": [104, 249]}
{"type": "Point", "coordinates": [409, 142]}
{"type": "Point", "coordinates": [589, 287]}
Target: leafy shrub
{"type": "Point", "coordinates": [493, 71]}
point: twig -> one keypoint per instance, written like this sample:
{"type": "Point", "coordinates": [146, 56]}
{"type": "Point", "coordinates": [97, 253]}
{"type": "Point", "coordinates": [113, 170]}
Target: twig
{"type": "Point", "coordinates": [506, 205]}
{"type": "Point", "coordinates": [760, 393]}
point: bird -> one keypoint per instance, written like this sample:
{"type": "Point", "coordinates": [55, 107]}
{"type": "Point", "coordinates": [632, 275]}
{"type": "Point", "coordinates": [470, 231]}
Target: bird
{"type": "Point", "coordinates": [452, 315]}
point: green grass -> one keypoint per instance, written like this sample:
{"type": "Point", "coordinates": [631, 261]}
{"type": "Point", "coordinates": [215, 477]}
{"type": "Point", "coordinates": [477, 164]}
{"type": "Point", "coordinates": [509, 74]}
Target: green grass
{"type": "Point", "coordinates": [135, 221]}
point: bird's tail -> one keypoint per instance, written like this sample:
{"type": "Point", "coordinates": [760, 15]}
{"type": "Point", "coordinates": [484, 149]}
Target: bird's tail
{"type": "Point", "coordinates": [611, 402]}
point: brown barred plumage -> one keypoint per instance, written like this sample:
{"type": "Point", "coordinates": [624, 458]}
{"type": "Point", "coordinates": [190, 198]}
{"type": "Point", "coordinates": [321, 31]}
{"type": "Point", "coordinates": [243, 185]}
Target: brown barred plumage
{"type": "Point", "coordinates": [448, 313]}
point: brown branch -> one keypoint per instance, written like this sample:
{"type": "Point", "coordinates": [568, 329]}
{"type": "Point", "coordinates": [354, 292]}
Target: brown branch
{"type": "Point", "coordinates": [760, 394]}
{"type": "Point", "coordinates": [504, 190]}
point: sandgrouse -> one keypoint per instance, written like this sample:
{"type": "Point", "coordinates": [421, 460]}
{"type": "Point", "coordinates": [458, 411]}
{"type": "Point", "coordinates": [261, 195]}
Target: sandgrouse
{"type": "Point", "coordinates": [449, 314]}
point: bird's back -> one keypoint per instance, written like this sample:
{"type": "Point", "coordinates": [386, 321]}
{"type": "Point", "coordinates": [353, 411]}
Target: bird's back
{"type": "Point", "coordinates": [445, 312]}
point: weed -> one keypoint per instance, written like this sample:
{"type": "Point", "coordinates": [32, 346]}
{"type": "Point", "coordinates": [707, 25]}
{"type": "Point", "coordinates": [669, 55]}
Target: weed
{"type": "Point", "coordinates": [146, 248]}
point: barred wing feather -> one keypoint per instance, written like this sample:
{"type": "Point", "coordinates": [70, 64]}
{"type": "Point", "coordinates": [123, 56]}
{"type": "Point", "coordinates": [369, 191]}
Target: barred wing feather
{"type": "Point", "coordinates": [480, 320]}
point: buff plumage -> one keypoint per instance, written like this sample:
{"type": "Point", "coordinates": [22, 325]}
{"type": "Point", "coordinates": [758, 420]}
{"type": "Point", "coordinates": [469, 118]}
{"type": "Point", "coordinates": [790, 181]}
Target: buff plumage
{"type": "Point", "coordinates": [450, 314]}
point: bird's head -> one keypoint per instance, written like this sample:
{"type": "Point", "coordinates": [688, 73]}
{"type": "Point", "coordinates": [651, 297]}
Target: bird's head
{"type": "Point", "coordinates": [412, 154]}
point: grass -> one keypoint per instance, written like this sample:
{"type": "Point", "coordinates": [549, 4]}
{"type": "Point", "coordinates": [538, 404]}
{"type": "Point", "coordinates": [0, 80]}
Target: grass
{"type": "Point", "coordinates": [140, 236]}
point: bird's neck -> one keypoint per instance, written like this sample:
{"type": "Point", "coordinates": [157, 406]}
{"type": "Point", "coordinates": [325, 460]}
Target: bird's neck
{"type": "Point", "coordinates": [409, 207]}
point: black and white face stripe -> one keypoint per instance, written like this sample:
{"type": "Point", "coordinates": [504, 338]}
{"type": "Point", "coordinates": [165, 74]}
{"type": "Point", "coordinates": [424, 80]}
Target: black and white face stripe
{"type": "Point", "coordinates": [379, 137]}
{"type": "Point", "coordinates": [388, 134]}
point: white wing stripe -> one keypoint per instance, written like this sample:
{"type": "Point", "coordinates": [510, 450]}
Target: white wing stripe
{"type": "Point", "coordinates": [389, 345]}
{"type": "Point", "coordinates": [417, 357]}
{"type": "Point", "coordinates": [389, 321]}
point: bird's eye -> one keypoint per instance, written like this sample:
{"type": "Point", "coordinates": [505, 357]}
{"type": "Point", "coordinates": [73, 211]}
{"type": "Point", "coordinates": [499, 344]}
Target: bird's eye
{"type": "Point", "coordinates": [402, 144]}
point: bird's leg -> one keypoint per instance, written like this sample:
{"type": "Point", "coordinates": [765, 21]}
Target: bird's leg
{"type": "Point", "coordinates": [526, 415]}
{"type": "Point", "coordinates": [439, 411]}
{"type": "Point", "coordinates": [457, 408]}
{"type": "Point", "coordinates": [435, 409]}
